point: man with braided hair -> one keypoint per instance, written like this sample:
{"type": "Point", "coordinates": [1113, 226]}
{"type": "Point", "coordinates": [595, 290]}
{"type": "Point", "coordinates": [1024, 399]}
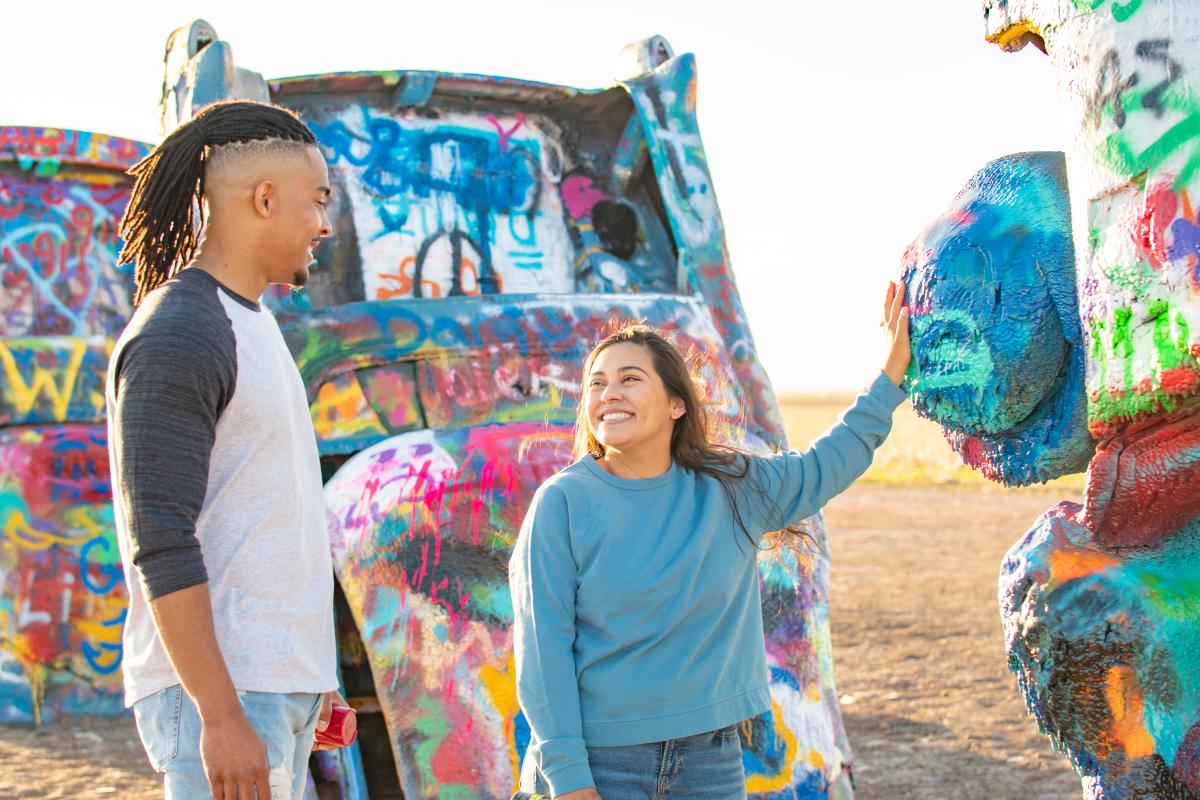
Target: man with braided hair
{"type": "Point", "coordinates": [229, 644]}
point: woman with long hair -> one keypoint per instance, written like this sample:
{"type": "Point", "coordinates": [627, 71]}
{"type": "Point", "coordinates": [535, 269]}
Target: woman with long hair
{"type": "Point", "coordinates": [639, 634]}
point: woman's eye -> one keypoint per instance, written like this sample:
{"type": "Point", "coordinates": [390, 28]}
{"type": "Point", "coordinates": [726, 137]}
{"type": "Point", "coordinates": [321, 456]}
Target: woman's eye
{"type": "Point", "coordinates": [630, 378]}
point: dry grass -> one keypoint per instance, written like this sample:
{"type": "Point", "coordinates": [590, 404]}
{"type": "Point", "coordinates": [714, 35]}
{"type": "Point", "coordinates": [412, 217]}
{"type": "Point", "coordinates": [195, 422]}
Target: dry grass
{"type": "Point", "coordinates": [915, 454]}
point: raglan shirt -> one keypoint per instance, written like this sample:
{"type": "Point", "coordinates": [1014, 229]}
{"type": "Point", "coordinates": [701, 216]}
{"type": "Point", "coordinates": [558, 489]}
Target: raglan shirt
{"type": "Point", "coordinates": [216, 479]}
{"type": "Point", "coordinates": [637, 615]}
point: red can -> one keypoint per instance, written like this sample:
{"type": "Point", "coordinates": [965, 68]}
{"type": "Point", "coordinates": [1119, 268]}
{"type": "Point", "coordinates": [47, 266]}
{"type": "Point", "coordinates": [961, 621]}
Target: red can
{"type": "Point", "coordinates": [342, 728]}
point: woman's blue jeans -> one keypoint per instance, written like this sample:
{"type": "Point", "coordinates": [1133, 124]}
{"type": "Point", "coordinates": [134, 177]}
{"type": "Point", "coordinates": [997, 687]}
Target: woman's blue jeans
{"type": "Point", "coordinates": [703, 767]}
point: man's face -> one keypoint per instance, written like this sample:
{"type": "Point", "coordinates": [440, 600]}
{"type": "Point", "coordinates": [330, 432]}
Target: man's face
{"type": "Point", "coordinates": [299, 220]}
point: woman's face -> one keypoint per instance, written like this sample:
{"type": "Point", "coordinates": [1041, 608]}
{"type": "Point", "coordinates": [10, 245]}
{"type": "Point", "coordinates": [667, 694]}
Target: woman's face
{"type": "Point", "coordinates": [627, 405]}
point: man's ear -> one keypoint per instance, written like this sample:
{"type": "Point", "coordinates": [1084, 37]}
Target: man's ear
{"type": "Point", "coordinates": [264, 198]}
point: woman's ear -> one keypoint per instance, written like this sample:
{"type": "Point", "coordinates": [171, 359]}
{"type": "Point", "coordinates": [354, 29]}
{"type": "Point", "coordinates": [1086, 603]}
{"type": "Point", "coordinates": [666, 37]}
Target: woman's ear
{"type": "Point", "coordinates": [677, 408]}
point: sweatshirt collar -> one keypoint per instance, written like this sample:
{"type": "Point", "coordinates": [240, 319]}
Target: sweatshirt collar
{"type": "Point", "coordinates": [637, 484]}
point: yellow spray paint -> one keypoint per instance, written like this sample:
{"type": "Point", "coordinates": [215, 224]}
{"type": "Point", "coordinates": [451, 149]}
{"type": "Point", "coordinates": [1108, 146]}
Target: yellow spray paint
{"type": "Point", "coordinates": [1015, 33]}
{"type": "Point", "coordinates": [25, 394]}
{"type": "Point", "coordinates": [767, 784]}
{"type": "Point", "coordinates": [501, 687]}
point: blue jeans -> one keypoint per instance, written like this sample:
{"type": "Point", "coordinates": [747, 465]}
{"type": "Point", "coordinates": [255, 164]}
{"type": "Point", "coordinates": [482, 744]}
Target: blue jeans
{"type": "Point", "coordinates": [703, 767]}
{"type": "Point", "coordinates": [169, 727]}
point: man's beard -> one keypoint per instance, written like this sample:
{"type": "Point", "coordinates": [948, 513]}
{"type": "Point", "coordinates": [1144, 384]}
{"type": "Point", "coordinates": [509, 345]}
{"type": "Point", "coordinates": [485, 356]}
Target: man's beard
{"type": "Point", "coordinates": [299, 278]}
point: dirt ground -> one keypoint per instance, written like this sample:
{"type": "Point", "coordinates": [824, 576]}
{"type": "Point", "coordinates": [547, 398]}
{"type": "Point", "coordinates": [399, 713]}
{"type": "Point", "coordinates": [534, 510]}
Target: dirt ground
{"type": "Point", "coordinates": [930, 707]}
{"type": "Point", "coordinates": [931, 710]}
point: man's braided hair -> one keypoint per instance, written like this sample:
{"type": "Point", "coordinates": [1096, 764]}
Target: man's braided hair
{"type": "Point", "coordinates": [166, 209]}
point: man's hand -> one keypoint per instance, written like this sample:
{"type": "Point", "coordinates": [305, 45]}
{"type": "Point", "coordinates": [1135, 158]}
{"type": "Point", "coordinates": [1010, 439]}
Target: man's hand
{"type": "Point", "coordinates": [589, 793]}
{"type": "Point", "coordinates": [328, 701]}
{"type": "Point", "coordinates": [895, 324]}
{"type": "Point", "coordinates": [234, 757]}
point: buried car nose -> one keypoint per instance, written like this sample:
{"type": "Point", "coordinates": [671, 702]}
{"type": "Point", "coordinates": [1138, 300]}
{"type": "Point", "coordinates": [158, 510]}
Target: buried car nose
{"type": "Point", "coordinates": [997, 348]}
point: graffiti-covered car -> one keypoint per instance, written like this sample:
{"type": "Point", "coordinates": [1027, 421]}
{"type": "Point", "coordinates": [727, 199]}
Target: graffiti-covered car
{"type": "Point", "coordinates": [63, 302]}
{"type": "Point", "coordinates": [1056, 329]}
{"type": "Point", "coordinates": [487, 231]}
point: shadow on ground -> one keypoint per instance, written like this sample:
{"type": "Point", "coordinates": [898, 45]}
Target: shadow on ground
{"type": "Point", "coordinates": [898, 757]}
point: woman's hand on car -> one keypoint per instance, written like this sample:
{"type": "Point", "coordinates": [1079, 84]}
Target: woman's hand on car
{"type": "Point", "coordinates": [895, 324]}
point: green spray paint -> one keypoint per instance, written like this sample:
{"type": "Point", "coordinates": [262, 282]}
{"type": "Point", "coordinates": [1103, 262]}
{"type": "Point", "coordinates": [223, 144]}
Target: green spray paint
{"type": "Point", "coordinates": [972, 366]}
{"type": "Point", "coordinates": [1162, 335]}
{"type": "Point", "coordinates": [1121, 11]}
{"type": "Point", "coordinates": [1119, 152]}
{"type": "Point", "coordinates": [433, 726]}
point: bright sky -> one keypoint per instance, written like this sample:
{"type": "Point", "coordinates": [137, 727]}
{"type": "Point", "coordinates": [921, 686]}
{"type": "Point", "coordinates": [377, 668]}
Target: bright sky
{"type": "Point", "coordinates": [834, 131]}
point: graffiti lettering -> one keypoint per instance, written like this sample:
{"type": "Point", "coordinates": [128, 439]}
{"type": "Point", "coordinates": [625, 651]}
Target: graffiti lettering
{"type": "Point", "coordinates": [1110, 85]}
{"type": "Point", "coordinates": [112, 651]}
{"type": "Point", "coordinates": [111, 575]}
{"type": "Point", "coordinates": [25, 394]}
{"type": "Point", "coordinates": [58, 250]}
{"type": "Point", "coordinates": [459, 265]}
{"type": "Point", "coordinates": [1156, 50]}
{"type": "Point", "coordinates": [506, 134]}
{"type": "Point", "coordinates": [55, 379]}
{"type": "Point", "coordinates": [464, 196]}
{"type": "Point", "coordinates": [1125, 152]}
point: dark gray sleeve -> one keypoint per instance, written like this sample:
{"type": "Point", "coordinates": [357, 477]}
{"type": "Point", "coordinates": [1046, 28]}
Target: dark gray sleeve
{"type": "Point", "coordinates": [172, 383]}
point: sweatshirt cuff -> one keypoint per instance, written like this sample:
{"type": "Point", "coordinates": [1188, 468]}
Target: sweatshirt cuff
{"type": "Point", "coordinates": [886, 392]}
{"type": "Point", "coordinates": [570, 777]}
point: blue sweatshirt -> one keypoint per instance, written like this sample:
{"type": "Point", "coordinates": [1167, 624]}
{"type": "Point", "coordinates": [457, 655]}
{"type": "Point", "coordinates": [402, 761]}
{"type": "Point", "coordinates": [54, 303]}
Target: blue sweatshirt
{"type": "Point", "coordinates": [636, 602]}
